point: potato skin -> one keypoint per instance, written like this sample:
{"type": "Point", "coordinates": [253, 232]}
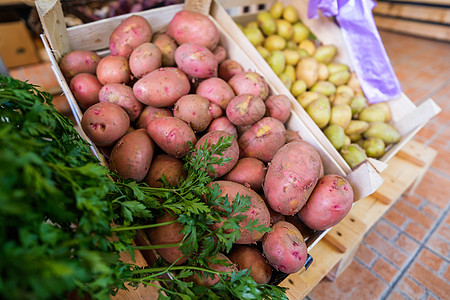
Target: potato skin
{"type": "Point", "coordinates": [144, 59]}
{"type": "Point", "coordinates": [129, 34]}
{"type": "Point", "coordinates": [258, 209]}
{"type": "Point", "coordinates": [278, 107]}
{"type": "Point", "coordinates": [222, 124]}
{"type": "Point", "coordinates": [232, 151]}
{"type": "Point", "coordinates": [263, 139]}
{"type": "Point", "coordinates": [291, 177]}
{"type": "Point", "coordinates": [79, 61]}
{"type": "Point", "coordinates": [292, 136]}
{"type": "Point", "coordinates": [171, 167]}
{"type": "Point", "coordinates": [248, 171]}
{"type": "Point", "coordinates": [167, 45]}
{"type": "Point", "coordinates": [132, 155]}
{"type": "Point", "coordinates": [85, 88]}
{"type": "Point", "coordinates": [123, 96]}
{"type": "Point", "coordinates": [216, 90]}
{"type": "Point", "coordinates": [162, 87]}
{"type": "Point", "coordinates": [220, 53]}
{"type": "Point", "coordinates": [328, 204]}
{"type": "Point", "coordinates": [249, 83]}
{"type": "Point", "coordinates": [105, 123]}
{"type": "Point", "coordinates": [228, 68]}
{"type": "Point", "coordinates": [285, 248]}
{"type": "Point", "coordinates": [194, 110]}
{"type": "Point", "coordinates": [113, 69]}
{"type": "Point", "coordinates": [193, 27]}
{"type": "Point", "coordinates": [168, 234]}
{"type": "Point", "coordinates": [149, 113]}
{"type": "Point", "coordinates": [246, 256]}
{"type": "Point", "coordinates": [245, 109]}
{"type": "Point", "coordinates": [172, 135]}
{"type": "Point", "coordinates": [206, 280]}
{"type": "Point", "coordinates": [196, 60]}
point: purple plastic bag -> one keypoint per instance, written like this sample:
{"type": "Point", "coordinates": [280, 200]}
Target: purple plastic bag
{"type": "Point", "coordinates": [370, 60]}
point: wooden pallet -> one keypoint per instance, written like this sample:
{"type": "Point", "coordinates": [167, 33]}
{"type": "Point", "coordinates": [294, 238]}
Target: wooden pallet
{"type": "Point", "coordinates": [336, 251]}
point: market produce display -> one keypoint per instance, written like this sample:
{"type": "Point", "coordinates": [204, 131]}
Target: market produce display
{"type": "Point", "coordinates": [173, 108]}
{"type": "Point", "coordinates": [328, 90]}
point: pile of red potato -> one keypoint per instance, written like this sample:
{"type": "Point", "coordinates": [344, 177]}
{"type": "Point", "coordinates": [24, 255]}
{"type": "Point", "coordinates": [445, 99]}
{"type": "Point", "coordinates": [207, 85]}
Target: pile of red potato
{"type": "Point", "coordinates": [155, 93]}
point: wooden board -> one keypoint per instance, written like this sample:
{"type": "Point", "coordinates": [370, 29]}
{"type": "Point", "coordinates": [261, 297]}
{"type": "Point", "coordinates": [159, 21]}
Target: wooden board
{"type": "Point", "coordinates": [434, 31]}
{"type": "Point", "coordinates": [326, 256]}
{"type": "Point", "coordinates": [416, 12]}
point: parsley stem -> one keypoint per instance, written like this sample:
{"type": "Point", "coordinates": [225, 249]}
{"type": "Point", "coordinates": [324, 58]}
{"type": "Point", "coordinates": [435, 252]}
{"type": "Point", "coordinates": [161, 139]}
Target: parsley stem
{"type": "Point", "coordinates": [142, 226]}
{"type": "Point", "coordinates": [175, 268]}
{"type": "Point", "coordinates": [150, 247]}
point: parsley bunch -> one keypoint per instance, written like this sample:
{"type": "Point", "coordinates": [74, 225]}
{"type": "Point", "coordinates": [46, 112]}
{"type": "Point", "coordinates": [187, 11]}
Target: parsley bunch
{"type": "Point", "coordinates": [57, 204]}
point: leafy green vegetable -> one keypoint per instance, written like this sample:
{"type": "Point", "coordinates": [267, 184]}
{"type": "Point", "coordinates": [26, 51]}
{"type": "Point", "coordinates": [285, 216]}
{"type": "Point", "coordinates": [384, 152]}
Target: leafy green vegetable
{"type": "Point", "coordinates": [57, 204]}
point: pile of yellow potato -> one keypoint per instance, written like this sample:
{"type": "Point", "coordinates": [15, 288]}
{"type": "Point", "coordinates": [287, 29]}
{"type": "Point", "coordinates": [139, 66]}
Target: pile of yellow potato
{"type": "Point", "coordinates": [328, 91]}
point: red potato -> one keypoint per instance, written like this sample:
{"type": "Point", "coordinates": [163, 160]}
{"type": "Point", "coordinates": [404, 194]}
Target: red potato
{"type": "Point", "coordinates": [291, 177]}
{"type": "Point", "coordinates": [275, 216]}
{"type": "Point", "coordinates": [172, 135]}
{"type": "Point", "coordinates": [292, 136]}
{"type": "Point", "coordinates": [257, 211]}
{"type": "Point", "coordinates": [123, 96]}
{"type": "Point", "coordinates": [278, 107]}
{"type": "Point", "coordinates": [171, 167]}
{"type": "Point", "coordinates": [162, 87]}
{"type": "Point", "coordinates": [285, 248]}
{"type": "Point", "coordinates": [113, 69]}
{"type": "Point", "coordinates": [149, 113]}
{"type": "Point", "coordinates": [263, 139]}
{"type": "Point", "coordinates": [328, 204]}
{"type": "Point", "coordinates": [245, 109]}
{"type": "Point", "coordinates": [215, 110]}
{"type": "Point", "coordinates": [206, 279]}
{"type": "Point", "coordinates": [193, 27]}
{"type": "Point", "coordinates": [85, 88]}
{"type": "Point", "coordinates": [249, 83]}
{"type": "Point", "coordinates": [220, 54]}
{"type": "Point", "coordinates": [79, 61]}
{"type": "Point", "coordinates": [222, 124]}
{"type": "Point", "coordinates": [167, 45]}
{"type": "Point", "coordinates": [246, 257]}
{"type": "Point", "coordinates": [196, 60]}
{"type": "Point", "coordinates": [248, 171]}
{"type": "Point", "coordinates": [231, 152]}
{"type": "Point", "coordinates": [228, 68]}
{"type": "Point", "coordinates": [168, 234]}
{"type": "Point", "coordinates": [105, 123]}
{"type": "Point", "coordinates": [132, 155]}
{"type": "Point", "coordinates": [216, 90]}
{"type": "Point", "coordinates": [131, 32]}
{"type": "Point", "coordinates": [194, 110]}
{"type": "Point", "coordinates": [144, 59]}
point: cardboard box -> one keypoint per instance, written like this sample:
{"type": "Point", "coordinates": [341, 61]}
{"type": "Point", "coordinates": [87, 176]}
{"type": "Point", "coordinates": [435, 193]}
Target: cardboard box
{"type": "Point", "coordinates": [16, 46]}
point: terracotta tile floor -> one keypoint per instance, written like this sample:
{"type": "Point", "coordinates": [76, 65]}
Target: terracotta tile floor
{"type": "Point", "coordinates": [406, 255]}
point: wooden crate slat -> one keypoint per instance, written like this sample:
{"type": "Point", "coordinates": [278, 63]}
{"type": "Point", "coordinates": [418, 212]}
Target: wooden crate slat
{"type": "Point", "coordinates": [416, 12]}
{"type": "Point", "coordinates": [431, 2]}
{"type": "Point", "coordinates": [440, 32]}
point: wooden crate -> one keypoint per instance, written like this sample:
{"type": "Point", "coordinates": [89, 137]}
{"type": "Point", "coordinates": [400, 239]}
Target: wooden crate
{"type": "Point", "coordinates": [95, 36]}
{"type": "Point", "coordinates": [406, 116]}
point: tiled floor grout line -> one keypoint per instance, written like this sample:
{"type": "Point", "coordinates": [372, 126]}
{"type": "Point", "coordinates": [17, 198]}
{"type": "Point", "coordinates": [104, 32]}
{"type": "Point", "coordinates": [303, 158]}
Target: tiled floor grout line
{"type": "Point", "coordinates": [415, 255]}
